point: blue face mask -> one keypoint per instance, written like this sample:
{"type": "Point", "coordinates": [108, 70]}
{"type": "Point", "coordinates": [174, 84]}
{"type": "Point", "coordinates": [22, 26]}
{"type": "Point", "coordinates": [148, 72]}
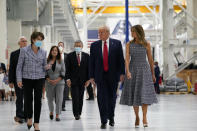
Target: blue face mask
{"type": "Point", "coordinates": [78, 49]}
{"type": "Point", "coordinates": [38, 43]}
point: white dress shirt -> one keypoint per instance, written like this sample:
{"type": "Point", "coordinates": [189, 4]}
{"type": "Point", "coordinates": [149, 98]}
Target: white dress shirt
{"type": "Point", "coordinates": [79, 56]}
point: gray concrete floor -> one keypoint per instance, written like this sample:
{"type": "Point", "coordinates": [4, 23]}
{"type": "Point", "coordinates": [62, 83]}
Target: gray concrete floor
{"type": "Point", "coordinates": [172, 113]}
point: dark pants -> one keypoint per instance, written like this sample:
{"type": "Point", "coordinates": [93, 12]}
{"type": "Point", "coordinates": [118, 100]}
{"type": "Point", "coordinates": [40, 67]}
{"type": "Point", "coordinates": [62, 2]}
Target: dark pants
{"type": "Point", "coordinates": [90, 92]}
{"type": "Point", "coordinates": [77, 93]}
{"type": "Point", "coordinates": [29, 87]}
{"type": "Point", "coordinates": [2, 94]}
{"type": "Point", "coordinates": [157, 88]}
{"type": "Point", "coordinates": [106, 97]}
{"type": "Point", "coordinates": [19, 101]}
{"type": "Point", "coordinates": [65, 95]}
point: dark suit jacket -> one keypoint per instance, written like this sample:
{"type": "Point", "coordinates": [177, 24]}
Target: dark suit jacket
{"type": "Point", "coordinates": [77, 74]}
{"type": "Point", "coordinates": [115, 60]}
{"type": "Point", "coordinates": [65, 56]}
{"type": "Point", "coordinates": [157, 72]}
{"type": "Point", "coordinates": [13, 64]}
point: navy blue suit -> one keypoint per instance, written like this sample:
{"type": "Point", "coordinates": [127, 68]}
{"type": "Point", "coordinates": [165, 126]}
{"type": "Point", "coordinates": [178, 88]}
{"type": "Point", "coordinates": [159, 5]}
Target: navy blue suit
{"type": "Point", "coordinates": [107, 82]}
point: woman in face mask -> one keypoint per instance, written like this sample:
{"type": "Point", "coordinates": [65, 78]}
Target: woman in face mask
{"type": "Point", "coordinates": [30, 74]}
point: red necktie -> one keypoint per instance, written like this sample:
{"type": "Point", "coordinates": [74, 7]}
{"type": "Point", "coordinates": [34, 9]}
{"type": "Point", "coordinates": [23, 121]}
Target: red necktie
{"type": "Point", "coordinates": [78, 59]}
{"type": "Point", "coordinates": [105, 57]}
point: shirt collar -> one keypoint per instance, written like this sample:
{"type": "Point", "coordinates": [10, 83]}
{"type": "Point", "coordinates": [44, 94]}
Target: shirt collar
{"type": "Point", "coordinates": [106, 41]}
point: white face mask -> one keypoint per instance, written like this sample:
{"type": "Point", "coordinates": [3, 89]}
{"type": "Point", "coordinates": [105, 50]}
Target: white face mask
{"type": "Point", "coordinates": [61, 49]}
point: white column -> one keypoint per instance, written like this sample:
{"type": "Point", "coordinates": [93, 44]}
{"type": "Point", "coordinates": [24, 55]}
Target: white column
{"type": "Point", "coordinates": [195, 15]}
{"type": "Point", "coordinates": [167, 15]}
{"type": "Point", "coordinates": [14, 29]}
{"type": "Point", "coordinates": [3, 34]}
{"type": "Point", "coordinates": [27, 31]}
{"type": "Point", "coordinates": [85, 28]}
{"type": "Point", "coordinates": [191, 34]}
{"type": "Point", "coordinates": [190, 8]}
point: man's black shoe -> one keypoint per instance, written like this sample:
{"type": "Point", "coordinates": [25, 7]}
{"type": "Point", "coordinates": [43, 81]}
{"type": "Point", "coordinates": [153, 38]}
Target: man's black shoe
{"type": "Point", "coordinates": [63, 109]}
{"type": "Point", "coordinates": [90, 99]}
{"type": "Point", "coordinates": [111, 122]}
{"type": "Point", "coordinates": [77, 117]}
{"type": "Point", "coordinates": [19, 120]}
{"type": "Point", "coordinates": [103, 126]}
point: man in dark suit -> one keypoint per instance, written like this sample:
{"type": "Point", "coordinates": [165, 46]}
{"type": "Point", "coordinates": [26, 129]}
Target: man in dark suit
{"type": "Point", "coordinates": [77, 74]}
{"type": "Point", "coordinates": [2, 66]}
{"type": "Point", "coordinates": [66, 89]}
{"type": "Point", "coordinates": [106, 70]}
{"type": "Point", "coordinates": [12, 81]}
{"type": "Point", "coordinates": [157, 76]}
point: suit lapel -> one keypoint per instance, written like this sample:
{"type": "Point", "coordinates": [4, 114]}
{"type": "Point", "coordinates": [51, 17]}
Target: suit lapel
{"type": "Point", "coordinates": [75, 58]}
{"type": "Point", "coordinates": [110, 47]}
{"type": "Point", "coordinates": [100, 49]}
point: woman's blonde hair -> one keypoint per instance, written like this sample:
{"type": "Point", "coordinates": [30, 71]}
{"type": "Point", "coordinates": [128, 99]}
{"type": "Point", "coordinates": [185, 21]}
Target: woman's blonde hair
{"type": "Point", "coordinates": [140, 35]}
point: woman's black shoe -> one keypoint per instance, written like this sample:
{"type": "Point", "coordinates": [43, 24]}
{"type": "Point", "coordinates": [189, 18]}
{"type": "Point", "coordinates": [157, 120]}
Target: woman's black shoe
{"type": "Point", "coordinates": [51, 117]}
{"type": "Point", "coordinates": [35, 129]}
{"type": "Point", "coordinates": [29, 126]}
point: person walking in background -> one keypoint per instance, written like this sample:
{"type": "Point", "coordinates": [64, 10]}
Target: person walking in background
{"type": "Point", "coordinates": [30, 74]}
{"type": "Point", "coordinates": [66, 89]}
{"type": "Point", "coordinates": [6, 86]}
{"type": "Point", "coordinates": [2, 88]}
{"type": "Point", "coordinates": [77, 74]}
{"type": "Point", "coordinates": [157, 75]}
{"type": "Point", "coordinates": [55, 81]}
{"type": "Point", "coordinates": [138, 87]}
{"type": "Point", "coordinates": [2, 66]}
{"type": "Point", "coordinates": [106, 70]}
{"type": "Point", "coordinates": [20, 115]}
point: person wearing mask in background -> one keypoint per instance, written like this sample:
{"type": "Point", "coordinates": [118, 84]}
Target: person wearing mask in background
{"type": "Point", "coordinates": [2, 66]}
{"type": "Point", "coordinates": [30, 74]}
{"type": "Point", "coordinates": [55, 81]}
{"type": "Point", "coordinates": [77, 74]}
{"type": "Point", "coordinates": [106, 70]}
{"type": "Point", "coordinates": [66, 89]}
{"type": "Point", "coordinates": [157, 76]}
{"type": "Point", "coordinates": [20, 115]}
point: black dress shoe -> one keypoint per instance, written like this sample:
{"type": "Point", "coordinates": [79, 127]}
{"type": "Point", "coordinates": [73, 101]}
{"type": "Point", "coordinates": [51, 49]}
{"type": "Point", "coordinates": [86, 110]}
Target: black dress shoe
{"type": "Point", "coordinates": [29, 126]}
{"type": "Point", "coordinates": [90, 99]}
{"type": "Point", "coordinates": [51, 117]}
{"type": "Point", "coordinates": [35, 129]}
{"type": "Point", "coordinates": [57, 119]}
{"type": "Point", "coordinates": [103, 126]}
{"type": "Point", "coordinates": [19, 120]}
{"type": "Point", "coordinates": [77, 117]}
{"type": "Point", "coordinates": [111, 122]}
{"type": "Point", "coordinates": [63, 109]}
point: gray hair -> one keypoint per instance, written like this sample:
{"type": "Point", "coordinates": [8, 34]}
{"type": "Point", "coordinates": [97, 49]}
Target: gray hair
{"type": "Point", "coordinates": [105, 28]}
{"type": "Point", "coordinates": [21, 37]}
{"type": "Point", "coordinates": [79, 41]}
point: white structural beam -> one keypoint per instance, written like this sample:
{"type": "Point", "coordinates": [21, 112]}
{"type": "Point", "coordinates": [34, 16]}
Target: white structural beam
{"type": "Point", "coordinates": [3, 34]}
{"type": "Point", "coordinates": [152, 11]}
{"type": "Point", "coordinates": [93, 19]}
{"type": "Point", "coordinates": [94, 3]}
{"type": "Point", "coordinates": [191, 16]}
{"type": "Point", "coordinates": [94, 11]}
{"type": "Point", "coordinates": [85, 27]}
{"type": "Point", "coordinates": [168, 23]}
